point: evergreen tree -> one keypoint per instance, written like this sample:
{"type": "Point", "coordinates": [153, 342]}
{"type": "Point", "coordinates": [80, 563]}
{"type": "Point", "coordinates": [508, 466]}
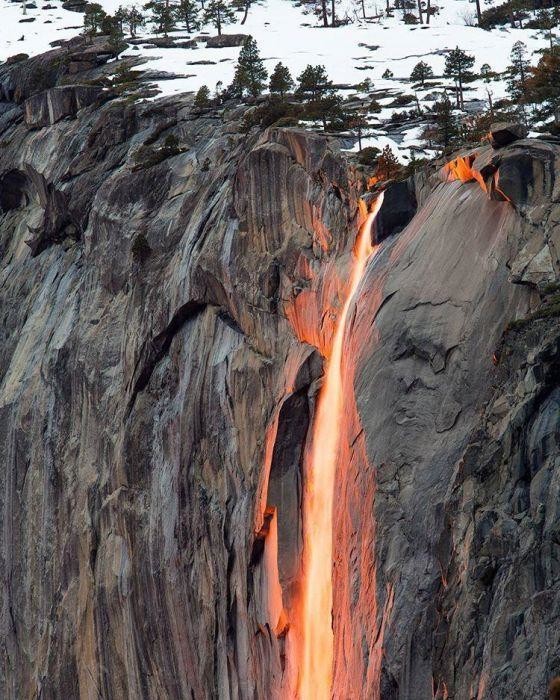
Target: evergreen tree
{"type": "Point", "coordinates": [421, 72]}
{"type": "Point", "coordinates": [187, 12]}
{"type": "Point", "coordinates": [549, 21]}
{"type": "Point", "coordinates": [387, 74]}
{"type": "Point", "coordinates": [388, 165]}
{"type": "Point", "coordinates": [134, 19]}
{"type": "Point", "coordinates": [94, 15]}
{"type": "Point", "coordinates": [446, 127]}
{"type": "Point", "coordinates": [313, 82]}
{"type": "Point", "coordinates": [120, 17]}
{"type": "Point", "coordinates": [543, 85]}
{"type": "Point", "coordinates": [111, 27]}
{"type": "Point", "coordinates": [458, 66]}
{"type": "Point", "coordinates": [250, 73]}
{"type": "Point", "coordinates": [322, 9]}
{"type": "Point", "coordinates": [281, 81]}
{"type": "Point", "coordinates": [516, 9]}
{"type": "Point", "coordinates": [218, 13]}
{"type": "Point", "coordinates": [358, 123]}
{"type": "Point", "coordinates": [202, 98]}
{"type": "Point", "coordinates": [162, 15]}
{"type": "Point", "coordinates": [322, 102]}
{"type": "Point", "coordinates": [518, 72]}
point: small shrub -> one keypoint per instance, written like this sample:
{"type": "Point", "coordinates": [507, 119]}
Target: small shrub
{"type": "Point", "coordinates": [273, 111]}
{"type": "Point", "coordinates": [148, 156]}
{"type": "Point", "coordinates": [402, 101]}
{"type": "Point", "coordinates": [368, 156]}
{"type": "Point", "coordinates": [202, 98]}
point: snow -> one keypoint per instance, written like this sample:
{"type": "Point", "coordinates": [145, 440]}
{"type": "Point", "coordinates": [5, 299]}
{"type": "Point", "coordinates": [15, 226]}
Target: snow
{"type": "Point", "coordinates": [285, 33]}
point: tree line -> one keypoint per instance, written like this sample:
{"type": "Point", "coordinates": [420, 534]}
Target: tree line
{"type": "Point", "coordinates": [165, 15]}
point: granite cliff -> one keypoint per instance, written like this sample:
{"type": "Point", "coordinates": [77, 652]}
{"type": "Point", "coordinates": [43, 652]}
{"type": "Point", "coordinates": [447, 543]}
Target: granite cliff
{"type": "Point", "coordinates": [169, 284]}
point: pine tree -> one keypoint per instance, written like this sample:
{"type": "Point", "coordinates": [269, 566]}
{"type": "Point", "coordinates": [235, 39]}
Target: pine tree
{"type": "Point", "coordinates": [202, 98]}
{"type": "Point", "coordinates": [162, 15]}
{"type": "Point", "coordinates": [421, 72]}
{"type": "Point", "coordinates": [323, 11]}
{"type": "Point", "coordinates": [548, 21]}
{"type": "Point", "coordinates": [130, 17]}
{"type": "Point", "coordinates": [218, 13]}
{"type": "Point", "coordinates": [458, 66]}
{"type": "Point", "coordinates": [281, 81]}
{"type": "Point", "coordinates": [120, 17]}
{"type": "Point", "coordinates": [134, 19]}
{"type": "Point", "coordinates": [111, 27]}
{"type": "Point", "coordinates": [446, 131]}
{"type": "Point", "coordinates": [322, 102]}
{"type": "Point", "coordinates": [250, 73]}
{"type": "Point", "coordinates": [93, 17]}
{"type": "Point", "coordinates": [388, 165]}
{"type": "Point", "coordinates": [187, 12]}
{"type": "Point", "coordinates": [518, 72]}
{"type": "Point", "coordinates": [543, 85]}
{"type": "Point", "coordinates": [313, 82]}
{"type": "Point", "coordinates": [387, 74]}
{"type": "Point", "coordinates": [358, 123]}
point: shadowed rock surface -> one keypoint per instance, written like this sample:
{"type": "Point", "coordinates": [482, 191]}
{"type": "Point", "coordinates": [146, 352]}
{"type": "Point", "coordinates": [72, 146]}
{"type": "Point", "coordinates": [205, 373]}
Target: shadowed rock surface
{"type": "Point", "coordinates": [160, 309]}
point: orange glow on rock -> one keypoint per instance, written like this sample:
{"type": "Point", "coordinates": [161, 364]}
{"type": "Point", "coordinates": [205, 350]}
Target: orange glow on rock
{"type": "Point", "coordinates": [461, 169]}
{"type": "Point", "coordinates": [316, 660]}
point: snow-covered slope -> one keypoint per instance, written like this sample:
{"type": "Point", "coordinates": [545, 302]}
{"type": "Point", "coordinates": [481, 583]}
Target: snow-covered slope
{"type": "Point", "coordinates": [285, 32]}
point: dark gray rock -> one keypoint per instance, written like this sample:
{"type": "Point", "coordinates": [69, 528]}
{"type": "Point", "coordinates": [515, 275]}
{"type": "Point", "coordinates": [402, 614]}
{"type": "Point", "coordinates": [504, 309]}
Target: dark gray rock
{"type": "Point", "coordinates": [504, 133]}
{"type": "Point", "coordinates": [399, 206]}
{"type": "Point", "coordinates": [224, 41]}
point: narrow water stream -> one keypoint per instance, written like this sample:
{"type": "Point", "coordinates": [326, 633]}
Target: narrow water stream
{"type": "Point", "coordinates": [316, 663]}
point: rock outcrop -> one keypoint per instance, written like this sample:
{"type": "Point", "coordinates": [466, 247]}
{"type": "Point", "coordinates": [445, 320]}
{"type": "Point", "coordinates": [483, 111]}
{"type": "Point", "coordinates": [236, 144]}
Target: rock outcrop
{"type": "Point", "coordinates": [164, 309]}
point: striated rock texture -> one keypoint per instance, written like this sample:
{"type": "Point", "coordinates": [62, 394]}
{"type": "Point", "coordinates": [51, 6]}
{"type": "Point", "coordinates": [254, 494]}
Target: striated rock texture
{"type": "Point", "coordinates": [453, 514]}
{"type": "Point", "coordinates": [162, 302]}
{"type": "Point", "coordinates": [149, 382]}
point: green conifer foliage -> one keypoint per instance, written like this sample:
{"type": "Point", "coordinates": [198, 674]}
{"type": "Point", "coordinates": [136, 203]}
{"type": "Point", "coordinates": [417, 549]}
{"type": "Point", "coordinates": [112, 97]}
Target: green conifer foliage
{"type": "Point", "coordinates": [250, 73]}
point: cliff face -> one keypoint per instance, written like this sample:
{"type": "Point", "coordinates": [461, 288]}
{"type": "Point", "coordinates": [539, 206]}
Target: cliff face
{"type": "Point", "coordinates": [165, 303]}
{"type": "Point", "coordinates": [145, 365]}
{"type": "Point", "coordinates": [460, 425]}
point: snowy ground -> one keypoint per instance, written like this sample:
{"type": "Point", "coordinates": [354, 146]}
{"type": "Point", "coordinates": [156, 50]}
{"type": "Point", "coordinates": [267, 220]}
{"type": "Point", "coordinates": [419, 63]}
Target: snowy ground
{"type": "Point", "coordinates": [285, 33]}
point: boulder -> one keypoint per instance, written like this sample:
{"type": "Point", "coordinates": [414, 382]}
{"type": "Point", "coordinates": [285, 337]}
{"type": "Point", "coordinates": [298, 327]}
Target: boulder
{"type": "Point", "coordinates": [224, 41]}
{"type": "Point", "coordinates": [17, 58]}
{"type": "Point", "coordinates": [503, 133]}
{"type": "Point", "coordinates": [75, 5]}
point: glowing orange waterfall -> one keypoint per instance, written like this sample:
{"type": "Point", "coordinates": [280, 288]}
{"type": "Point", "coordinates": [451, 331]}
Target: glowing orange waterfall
{"type": "Point", "coordinates": [316, 661]}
